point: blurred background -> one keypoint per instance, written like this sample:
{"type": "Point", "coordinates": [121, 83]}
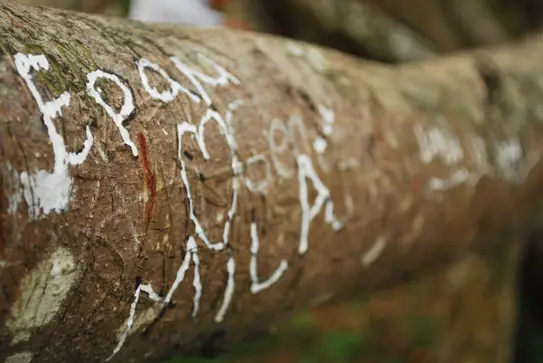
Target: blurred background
{"type": "Point", "coordinates": [486, 307]}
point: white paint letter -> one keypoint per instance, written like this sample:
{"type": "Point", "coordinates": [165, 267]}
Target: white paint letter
{"type": "Point", "coordinates": [256, 285]}
{"type": "Point", "coordinates": [258, 186]}
{"type": "Point", "coordinates": [196, 77]}
{"type": "Point", "coordinates": [126, 109]}
{"type": "Point", "coordinates": [47, 191]}
{"type": "Point", "coordinates": [309, 212]}
{"type": "Point", "coordinates": [198, 133]}
{"type": "Point", "coordinates": [277, 125]}
{"type": "Point", "coordinates": [129, 323]}
{"type": "Point", "coordinates": [192, 252]}
{"type": "Point", "coordinates": [229, 291]}
{"type": "Point", "coordinates": [167, 95]}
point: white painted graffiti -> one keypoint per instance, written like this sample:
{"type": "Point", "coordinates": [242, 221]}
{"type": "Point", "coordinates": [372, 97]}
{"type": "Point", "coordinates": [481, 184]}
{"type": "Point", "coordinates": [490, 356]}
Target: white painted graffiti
{"type": "Point", "coordinates": [328, 117]}
{"type": "Point", "coordinates": [258, 186]}
{"type": "Point", "coordinates": [256, 284]}
{"type": "Point", "coordinates": [190, 254]}
{"type": "Point", "coordinates": [276, 149]}
{"type": "Point", "coordinates": [310, 211]}
{"type": "Point", "coordinates": [167, 95]}
{"type": "Point", "coordinates": [45, 191]}
{"type": "Point", "coordinates": [196, 77]}
{"type": "Point", "coordinates": [198, 134]}
{"type": "Point", "coordinates": [126, 110]}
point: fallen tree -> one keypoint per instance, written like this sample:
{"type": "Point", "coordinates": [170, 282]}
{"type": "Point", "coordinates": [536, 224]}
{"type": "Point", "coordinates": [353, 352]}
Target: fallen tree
{"type": "Point", "coordinates": [164, 188]}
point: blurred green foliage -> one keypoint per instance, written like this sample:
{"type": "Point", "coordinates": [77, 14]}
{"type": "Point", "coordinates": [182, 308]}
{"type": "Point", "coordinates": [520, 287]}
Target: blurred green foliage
{"type": "Point", "coordinates": [340, 334]}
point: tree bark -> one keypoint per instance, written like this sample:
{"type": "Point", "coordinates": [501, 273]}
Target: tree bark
{"type": "Point", "coordinates": [165, 189]}
{"type": "Point", "coordinates": [354, 27]}
{"type": "Point", "coordinates": [383, 30]}
{"type": "Point", "coordinates": [86, 6]}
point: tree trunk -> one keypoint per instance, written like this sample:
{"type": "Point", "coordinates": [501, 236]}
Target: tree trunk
{"type": "Point", "coordinates": [384, 30]}
{"type": "Point", "coordinates": [354, 27]}
{"type": "Point", "coordinates": [165, 189]}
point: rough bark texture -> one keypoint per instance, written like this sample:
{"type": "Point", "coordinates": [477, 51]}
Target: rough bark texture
{"type": "Point", "coordinates": [384, 30]}
{"type": "Point", "coordinates": [463, 312]}
{"type": "Point", "coordinates": [386, 171]}
{"type": "Point", "coordinates": [355, 27]}
{"type": "Point", "coordinates": [447, 23]}
{"type": "Point", "coordinates": [87, 6]}
{"type": "Point", "coordinates": [480, 320]}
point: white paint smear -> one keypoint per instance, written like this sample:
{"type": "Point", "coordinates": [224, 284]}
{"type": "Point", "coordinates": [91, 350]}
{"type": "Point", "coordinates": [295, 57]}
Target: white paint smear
{"type": "Point", "coordinates": [436, 142]}
{"type": "Point", "coordinates": [42, 292]}
{"type": "Point", "coordinates": [375, 251]}
{"type": "Point", "coordinates": [196, 281]}
{"type": "Point", "coordinates": [151, 294]}
{"type": "Point", "coordinates": [167, 95]}
{"type": "Point", "coordinates": [257, 285]}
{"type": "Point", "coordinates": [320, 145]}
{"type": "Point", "coordinates": [45, 191]}
{"type": "Point", "coordinates": [310, 211]}
{"type": "Point", "coordinates": [198, 134]}
{"type": "Point", "coordinates": [129, 324]}
{"type": "Point", "coordinates": [222, 77]}
{"type": "Point", "coordinates": [295, 49]}
{"type": "Point", "coordinates": [236, 169]}
{"type": "Point", "coordinates": [229, 291]}
{"type": "Point", "coordinates": [509, 156]}
{"type": "Point", "coordinates": [258, 186]}
{"type": "Point", "coordinates": [227, 130]}
{"type": "Point", "coordinates": [457, 178]}
{"type": "Point", "coordinates": [25, 357]}
{"type": "Point", "coordinates": [126, 110]}
{"type": "Point", "coordinates": [328, 118]}
{"type": "Point", "coordinates": [191, 253]}
{"type": "Point", "coordinates": [277, 125]}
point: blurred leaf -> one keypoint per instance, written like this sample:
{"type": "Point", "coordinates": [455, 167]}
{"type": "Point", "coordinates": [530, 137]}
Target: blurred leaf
{"type": "Point", "coordinates": [422, 329]}
{"type": "Point", "coordinates": [340, 346]}
{"type": "Point", "coordinates": [303, 321]}
{"type": "Point", "coordinates": [180, 359]}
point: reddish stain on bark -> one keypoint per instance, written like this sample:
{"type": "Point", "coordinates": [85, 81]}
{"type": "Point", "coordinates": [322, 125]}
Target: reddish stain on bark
{"type": "Point", "coordinates": [149, 179]}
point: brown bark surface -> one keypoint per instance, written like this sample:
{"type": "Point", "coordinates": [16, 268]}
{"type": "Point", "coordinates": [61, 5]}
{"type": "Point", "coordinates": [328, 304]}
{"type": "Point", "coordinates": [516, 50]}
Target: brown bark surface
{"type": "Point", "coordinates": [87, 6]}
{"type": "Point", "coordinates": [464, 312]}
{"type": "Point", "coordinates": [386, 30]}
{"type": "Point", "coordinates": [382, 171]}
{"type": "Point", "coordinates": [355, 27]}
